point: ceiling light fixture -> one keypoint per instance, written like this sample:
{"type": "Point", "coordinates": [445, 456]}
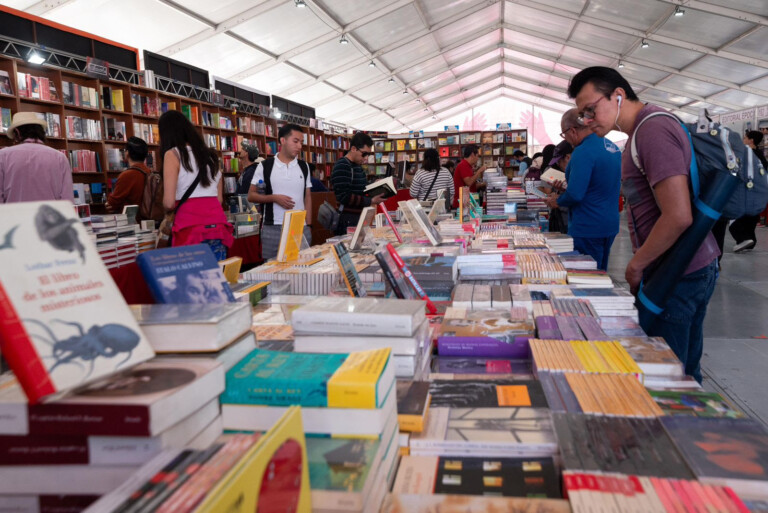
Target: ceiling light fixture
{"type": "Point", "coordinates": [405, 91]}
{"type": "Point", "coordinates": [644, 44]}
{"type": "Point", "coordinates": [343, 40]}
{"type": "Point", "coordinates": [278, 114]}
{"type": "Point", "coordinates": [679, 11]}
{"type": "Point", "coordinates": [391, 80]}
{"type": "Point", "coordinates": [371, 64]}
{"type": "Point", "coordinates": [621, 64]}
{"type": "Point", "coordinates": [426, 110]}
{"type": "Point", "coordinates": [35, 58]}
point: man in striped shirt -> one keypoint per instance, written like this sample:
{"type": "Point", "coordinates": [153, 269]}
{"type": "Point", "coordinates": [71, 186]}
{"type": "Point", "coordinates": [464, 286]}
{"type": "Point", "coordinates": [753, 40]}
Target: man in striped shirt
{"type": "Point", "coordinates": [348, 182]}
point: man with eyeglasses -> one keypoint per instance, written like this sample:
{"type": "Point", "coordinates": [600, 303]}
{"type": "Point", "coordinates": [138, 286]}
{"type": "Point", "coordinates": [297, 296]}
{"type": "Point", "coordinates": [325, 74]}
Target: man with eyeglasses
{"type": "Point", "coordinates": [594, 182]}
{"type": "Point", "coordinates": [659, 206]}
{"type": "Point", "coordinates": [348, 182]}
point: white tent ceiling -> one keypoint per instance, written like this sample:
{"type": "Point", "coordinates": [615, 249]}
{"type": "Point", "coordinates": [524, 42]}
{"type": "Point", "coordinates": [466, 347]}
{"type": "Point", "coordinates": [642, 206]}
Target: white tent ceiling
{"type": "Point", "coordinates": [434, 57]}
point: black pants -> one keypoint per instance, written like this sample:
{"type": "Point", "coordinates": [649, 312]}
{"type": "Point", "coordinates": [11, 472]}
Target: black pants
{"type": "Point", "coordinates": [719, 232]}
{"type": "Point", "coordinates": [743, 228]}
{"type": "Point", "coordinates": [347, 219]}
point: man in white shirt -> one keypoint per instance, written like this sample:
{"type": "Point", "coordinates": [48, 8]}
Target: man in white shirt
{"type": "Point", "coordinates": [287, 184]}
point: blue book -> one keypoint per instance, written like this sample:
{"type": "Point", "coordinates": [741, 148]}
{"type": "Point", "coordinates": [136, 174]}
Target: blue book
{"type": "Point", "coordinates": [185, 274]}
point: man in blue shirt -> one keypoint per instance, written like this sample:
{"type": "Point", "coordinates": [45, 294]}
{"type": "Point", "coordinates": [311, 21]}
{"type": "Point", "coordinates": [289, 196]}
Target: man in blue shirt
{"type": "Point", "coordinates": [593, 179]}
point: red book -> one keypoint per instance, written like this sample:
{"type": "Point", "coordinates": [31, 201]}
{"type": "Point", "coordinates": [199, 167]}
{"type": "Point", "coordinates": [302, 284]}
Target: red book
{"type": "Point", "coordinates": [383, 210]}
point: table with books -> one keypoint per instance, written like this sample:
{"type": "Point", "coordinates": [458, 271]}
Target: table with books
{"type": "Point", "coordinates": [431, 364]}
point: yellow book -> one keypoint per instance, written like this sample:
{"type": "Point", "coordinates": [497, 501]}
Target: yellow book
{"type": "Point", "coordinates": [231, 268]}
{"type": "Point", "coordinates": [275, 471]}
{"type": "Point", "coordinates": [292, 235]}
{"type": "Point", "coordinates": [400, 144]}
{"type": "Point", "coordinates": [362, 380]}
{"type": "Point", "coordinates": [117, 100]}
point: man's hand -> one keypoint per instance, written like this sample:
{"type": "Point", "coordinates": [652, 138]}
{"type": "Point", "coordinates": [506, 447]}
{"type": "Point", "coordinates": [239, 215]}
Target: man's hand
{"type": "Point", "coordinates": [284, 201]}
{"type": "Point", "coordinates": [551, 200]}
{"type": "Point", "coordinates": [482, 170]}
{"type": "Point", "coordinates": [634, 276]}
{"type": "Point", "coordinates": [559, 185]}
{"type": "Point", "coordinates": [377, 199]}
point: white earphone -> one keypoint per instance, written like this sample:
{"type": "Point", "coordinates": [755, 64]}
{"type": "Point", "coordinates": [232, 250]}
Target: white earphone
{"type": "Point", "coordinates": [618, 97]}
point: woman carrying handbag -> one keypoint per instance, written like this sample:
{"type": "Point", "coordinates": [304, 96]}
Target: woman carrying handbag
{"type": "Point", "coordinates": [192, 187]}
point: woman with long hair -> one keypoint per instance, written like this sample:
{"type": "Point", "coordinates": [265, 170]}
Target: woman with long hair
{"type": "Point", "coordinates": [431, 178]}
{"type": "Point", "coordinates": [188, 164]}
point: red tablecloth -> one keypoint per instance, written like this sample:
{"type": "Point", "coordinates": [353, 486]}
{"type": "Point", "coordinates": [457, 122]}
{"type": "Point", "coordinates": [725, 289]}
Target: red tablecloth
{"type": "Point", "coordinates": [402, 195]}
{"type": "Point", "coordinates": [247, 248]}
{"type": "Point", "coordinates": [131, 283]}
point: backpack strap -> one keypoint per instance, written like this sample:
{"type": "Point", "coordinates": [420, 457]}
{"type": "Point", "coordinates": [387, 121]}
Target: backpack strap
{"type": "Point", "coordinates": [304, 169]}
{"type": "Point", "coordinates": [269, 215]}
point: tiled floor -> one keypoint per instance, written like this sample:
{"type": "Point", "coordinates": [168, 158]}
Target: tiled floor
{"type": "Point", "coordinates": [735, 361]}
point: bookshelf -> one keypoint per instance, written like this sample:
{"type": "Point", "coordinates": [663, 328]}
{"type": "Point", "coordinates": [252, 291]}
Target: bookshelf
{"type": "Point", "coordinates": [496, 147]}
{"type": "Point", "coordinates": [91, 120]}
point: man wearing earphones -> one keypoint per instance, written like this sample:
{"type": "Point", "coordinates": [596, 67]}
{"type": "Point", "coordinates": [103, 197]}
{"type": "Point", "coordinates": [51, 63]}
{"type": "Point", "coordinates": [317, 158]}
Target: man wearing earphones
{"type": "Point", "coordinates": [592, 197]}
{"type": "Point", "coordinates": [659, 206]}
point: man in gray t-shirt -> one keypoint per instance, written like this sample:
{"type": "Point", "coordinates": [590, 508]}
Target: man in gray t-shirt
{"type": "Point", "coordinates": [659, 206]}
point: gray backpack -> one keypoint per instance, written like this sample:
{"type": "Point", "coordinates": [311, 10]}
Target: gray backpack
{"type": "Point", "coordinates": [716, 149]}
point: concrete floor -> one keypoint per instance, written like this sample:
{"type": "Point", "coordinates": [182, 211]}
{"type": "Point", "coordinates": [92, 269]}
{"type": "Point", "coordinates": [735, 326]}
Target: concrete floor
{"type": "Point", "coordinates": [735, 357]}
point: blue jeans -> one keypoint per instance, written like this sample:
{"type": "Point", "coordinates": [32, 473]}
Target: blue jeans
{"type": "Point", "coordinates": [681, 322]}
{"type": "Point", "coordinates": [218, 248]}
{"type": "Point", "coordinates": [598, 248]}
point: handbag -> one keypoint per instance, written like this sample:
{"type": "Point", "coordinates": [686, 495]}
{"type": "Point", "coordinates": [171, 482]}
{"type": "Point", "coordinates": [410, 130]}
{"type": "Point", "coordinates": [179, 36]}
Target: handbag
{"type": "Point", "coordinates": [328, 216]}
{"type": "Point", "coordinates": [165, 231]}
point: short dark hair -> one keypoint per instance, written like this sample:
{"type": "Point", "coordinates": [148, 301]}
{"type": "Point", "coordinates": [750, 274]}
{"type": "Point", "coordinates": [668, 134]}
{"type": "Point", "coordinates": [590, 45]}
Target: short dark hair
{"type": "Point", "coordinates": [137, 149]}
{"type": "Point", "coordinates": [31, 131]}
{"type": "Point", "coordinates": [450, 164]}
{"type": "Point", "coordinates": [360, 140]}
{"type": "Point", "coordinates": [431, 160]}
{"type": "Point", "coordinates": [518, 153]}
{"type": "Point", "coordinates": [604, 79]}
{"type": "Point", "coordinates": [756, 136]}
{"type": "Point", "coordinates": [470, 150]}
{"type": "Point", "coordinates": [286, 130]}
{"type": "Point", "coordinates": [546, 155]}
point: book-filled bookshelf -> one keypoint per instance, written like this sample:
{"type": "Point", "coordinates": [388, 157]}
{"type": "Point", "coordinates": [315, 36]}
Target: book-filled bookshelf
{"type": "Point", "coordinates": [496, 149]}
{"type": "Point", "coordinates": [90, 120]}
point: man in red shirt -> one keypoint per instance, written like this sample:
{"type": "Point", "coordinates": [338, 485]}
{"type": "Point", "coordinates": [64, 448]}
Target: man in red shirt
{"type": "Point", "coordinates": [465, 175]}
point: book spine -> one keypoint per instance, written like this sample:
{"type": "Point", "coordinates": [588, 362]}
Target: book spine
{"type": "Point", "coordinates": [390, 277]}
{"type": "Point", "coordinates": [81, 419]}
{"type": "Point", "coordinates": [32, 450]}
{"type": "Point", "coordinates": [20, 353]}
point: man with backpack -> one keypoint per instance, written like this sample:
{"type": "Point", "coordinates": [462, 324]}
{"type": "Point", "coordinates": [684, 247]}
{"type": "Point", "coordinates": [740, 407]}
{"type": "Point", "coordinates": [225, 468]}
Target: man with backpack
{"type": "Point", "coordinates": [659, 206]}
{"type": "Point", "coordinates": [129, 188]}
{"type": "Point", "coordinates": [287, 186]}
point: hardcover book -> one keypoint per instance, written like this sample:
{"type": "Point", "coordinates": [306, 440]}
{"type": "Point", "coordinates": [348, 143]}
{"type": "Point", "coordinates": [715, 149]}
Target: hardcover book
{"type": "Point", "coordinates": [509, 477]}
{"type": "Point", "coordinates": [184, 274]}
{"type": "Point", "coordinates": [63, 321]}
{"type": "Point", "coordinates": [275, 378]}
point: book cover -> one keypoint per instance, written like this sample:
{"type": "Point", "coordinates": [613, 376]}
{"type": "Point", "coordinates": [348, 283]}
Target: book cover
{"type": "Point", "coordinates": [730, 452]}
{"type": "Point", "coordinates": [467, 367]}
{"type": "Point", "coordinates": [411, 278]}
{"type": "Point", "coordinates": [412, 404]}
{"type": "Point", "coordinates": [509, 477]}
{"type": "Point", "coordinates": [399, 503]}
{"type": "Point", "coordinates": [487, 394]}
{"type": "Point", "coordinates": [291, 236]}
{"type": "Point", "coordinates": [363, 224]}
{"type": "Point", "coordinates": [272, 476]}
{"type": "Point", "coordinates": [348, 270]}
{"type": "Point", "coordinates": [392, 274]}
{"type": "Point", "coordinates": [489, 333]}
{"type": "Point", "coordinates": [64, 323]}
{"type": "Point", "coordinates": [385, 186]}
{"type": "Point", "coordinates": [5, 83]}
{"type": "Point", "coordinates": [142, 401]}
{"type": "Point", "coordinates": [653, 355]}
{"type": "Point", "coordinates": [184, 274]}
{"type": "Point", "coordinates": [275, 378]}
{"type": "Point", "coordinates": [696, 403]}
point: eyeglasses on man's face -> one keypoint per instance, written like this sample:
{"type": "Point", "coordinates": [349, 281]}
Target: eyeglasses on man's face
{"type": "Point", "coordinates": [590, 110]}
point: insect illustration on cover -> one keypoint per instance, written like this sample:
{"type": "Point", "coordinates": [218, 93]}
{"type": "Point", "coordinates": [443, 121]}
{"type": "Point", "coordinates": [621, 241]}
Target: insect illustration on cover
{"type": "Point", "coordinates": [108, 341]}
{"type": "Point", "coordinates": [57, 230]}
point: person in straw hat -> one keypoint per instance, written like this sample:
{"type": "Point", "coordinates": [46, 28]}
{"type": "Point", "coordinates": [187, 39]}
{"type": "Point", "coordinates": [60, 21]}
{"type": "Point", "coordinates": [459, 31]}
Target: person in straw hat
{"type": "Point", "coordinates": [30, 170]}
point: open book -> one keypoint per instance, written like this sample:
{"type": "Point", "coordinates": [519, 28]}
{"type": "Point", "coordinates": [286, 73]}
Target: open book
{"type": "Point", "coordinates": [384, 186]}
{"type": "Point", "coordinates": [552, 175]}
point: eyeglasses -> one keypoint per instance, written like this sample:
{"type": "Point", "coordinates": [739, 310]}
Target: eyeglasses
{"type": "Point", "coordinates": [562, 134]}
{"type": "Point", "coordinates": [366, 153]}
{"type": "Point", "coordinates": [589, 110]}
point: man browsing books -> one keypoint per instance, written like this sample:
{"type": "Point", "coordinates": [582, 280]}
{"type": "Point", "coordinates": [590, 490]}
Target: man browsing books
{"type": "Point", "coordinates": [287, 186]}
{"type": "Point", "coordinates": [130, 184]}
{"type": "Point", "coordinates": [465, 175]}
{"type": "Point", "coordinates": [249, 160]}
{"type": "Point", "coordinates": [592, 198]}
{"type": "Point", "coordinates": [30, 170]}
{"type": "Point", "coordinates": [659, 206]}
{"type": "Point", "coordinates": [348, 182]}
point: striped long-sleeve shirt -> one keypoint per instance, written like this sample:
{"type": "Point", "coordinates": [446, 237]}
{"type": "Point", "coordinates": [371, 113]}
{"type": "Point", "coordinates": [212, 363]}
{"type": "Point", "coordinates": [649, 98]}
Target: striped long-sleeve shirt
{"type": "Point", "coordinates": [348, 182]}
{"type": "Point", "coordinates": [423, 180]}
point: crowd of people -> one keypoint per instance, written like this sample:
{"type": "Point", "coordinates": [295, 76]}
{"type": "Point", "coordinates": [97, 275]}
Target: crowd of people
{"type": "Point", "coordinates": [585, 204]}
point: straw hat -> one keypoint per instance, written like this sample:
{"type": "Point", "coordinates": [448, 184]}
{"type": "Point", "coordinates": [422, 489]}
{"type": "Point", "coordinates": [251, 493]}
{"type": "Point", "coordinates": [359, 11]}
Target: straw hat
{"type": "Point", "coordinates": [26, 118]}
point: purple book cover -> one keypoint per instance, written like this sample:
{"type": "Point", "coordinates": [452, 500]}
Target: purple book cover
{"type": "Point", "coordinates": [546, 327]}
{"type": "Point", "coordinates": [591, 328]}
{"type": "Point", "coordinates": [484, 347]}
{"type": "Point", "coordinates": [569, 328]}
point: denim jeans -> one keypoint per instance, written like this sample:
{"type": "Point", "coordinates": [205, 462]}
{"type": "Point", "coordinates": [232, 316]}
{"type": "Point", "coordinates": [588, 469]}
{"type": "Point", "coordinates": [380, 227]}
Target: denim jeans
{"type": "Point", "coordinates": [218, 248]}
{"type": "Point", "coordinates": [598, 248]}
{"type": "Point", "coordinates": [681, 322]}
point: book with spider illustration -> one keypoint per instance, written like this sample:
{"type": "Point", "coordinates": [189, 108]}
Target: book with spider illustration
{"type": "Point", "coordinates": [63, 321]}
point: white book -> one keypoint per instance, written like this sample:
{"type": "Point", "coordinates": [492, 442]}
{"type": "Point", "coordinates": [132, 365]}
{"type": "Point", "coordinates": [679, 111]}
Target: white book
{"type": "Point", "coordinates": [352, 422]}
{"type": "Point", "coordinates": [195, 328]}
{"type": "Point", "coordinates": [422, 220]}
{"type": "Point", "coordinates": [63, 479]}
{"type": "Point", "coordinates": [359, 316]}
{"type": "Point", "coordinates": [363, 223]}
{"type": "Point", "coordinates": [401, 346]}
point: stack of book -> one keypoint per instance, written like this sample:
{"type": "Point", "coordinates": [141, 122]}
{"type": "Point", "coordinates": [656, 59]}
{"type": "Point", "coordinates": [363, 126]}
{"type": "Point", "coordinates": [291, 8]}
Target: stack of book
{"type": "Point", "coordinates": [485, 333]}
{"type": "Point", "coordinates": [436, 274]}
{"type": "Point", "coordinates": [345, 324]}
{"type": "Point", "coordinates": [475, 267]}
{"type": "Point", "coordinates": [348, 399]}
{"type": "Point", "coordinates": [606, 302]}
{"type": "Point", "coordinates": [558, 242]}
